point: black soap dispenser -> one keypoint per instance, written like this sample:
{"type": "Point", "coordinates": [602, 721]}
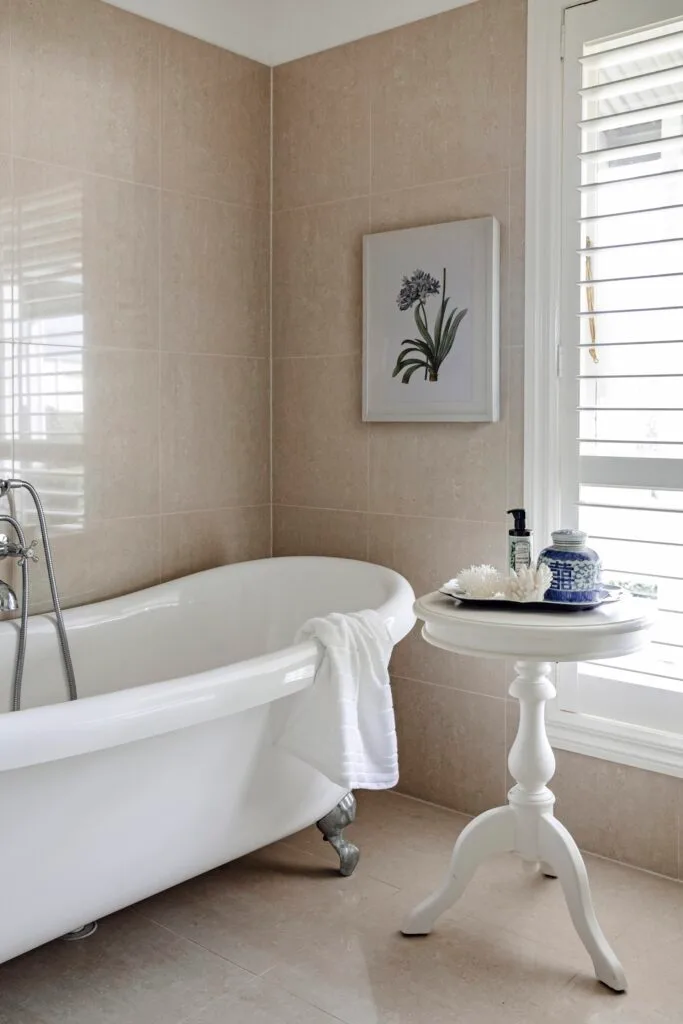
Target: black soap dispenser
{"type": "Point", "coordinates": [519, 542]}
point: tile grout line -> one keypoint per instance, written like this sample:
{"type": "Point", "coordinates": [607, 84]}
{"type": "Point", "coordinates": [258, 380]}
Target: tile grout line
{"type": "Point", "coordinates": [392, 515]}
{"type": "Point", "coordinates": [160, 257]}
{"type": "Point", "coordinates": [271, 314]}
{"type": "Point", "coordinates": [186, 194]}
{"type": "Point", "coordinates": [393, 191]}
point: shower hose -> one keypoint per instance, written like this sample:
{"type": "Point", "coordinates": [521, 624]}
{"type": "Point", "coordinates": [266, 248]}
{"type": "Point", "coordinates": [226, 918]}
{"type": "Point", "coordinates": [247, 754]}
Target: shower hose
{"type": "Point", "coordinates": [6, 488]}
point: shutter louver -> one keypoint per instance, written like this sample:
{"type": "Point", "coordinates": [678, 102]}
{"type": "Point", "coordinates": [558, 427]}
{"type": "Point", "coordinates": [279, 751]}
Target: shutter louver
{"type": "Point", "coordinates": [630, 326]}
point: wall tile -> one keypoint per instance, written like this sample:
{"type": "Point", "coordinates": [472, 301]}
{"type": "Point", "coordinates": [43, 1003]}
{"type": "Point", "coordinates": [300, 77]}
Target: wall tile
{"type": "Point", "coordinates": [513, 414]}
{"type": "Point", "coordinates": [619, 812]}
{"type": "Point", "coordinates": [321, 127]}
{"type": "Point", "coordinates": [320, 443]}
{"type": "Point", "coordinates": [444, 469]}
{"type": "Point", "coordinates": [430, 551]}
{"type": "Point", "coordinates": [318, 278]}
{"type": "Point", "coordinates": [215, 277]}
{"type": "Point", "coordinates": [87, 251]}
{"type": "Point", "coordinates": [414, 658]}
{"type": "Point", "coordinates": [89, 426]}
{"type": "Point", "coordinates": [5, 104]}
{"type": "Point", "coordinates": [313, 531]}
{"type": "Point", "coordinates": [517, 63]}
{"type": "Point", "coordinates": [104, 559]}
{"type": "Point", "coordinates": [86, 87]}
{"type": "Point", "coordinates": [451, 746]}
{"type": "Point", "coordinates": [193, 541]}
{"type": "Point", "coordinates": [441, 96]}
{"type": "Point", "coordinates": [5, 31]}
{"type": "Point", "coordinates": [515, 304]}
{"type": "Point", "coordinates": [216, 119]}
{"type": "Point", "coordinates": [215, 436]}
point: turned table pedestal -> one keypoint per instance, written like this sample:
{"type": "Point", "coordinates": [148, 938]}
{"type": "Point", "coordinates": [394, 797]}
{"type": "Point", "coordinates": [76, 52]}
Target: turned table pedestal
{"type": "Point", "coordinates": [527, 825]}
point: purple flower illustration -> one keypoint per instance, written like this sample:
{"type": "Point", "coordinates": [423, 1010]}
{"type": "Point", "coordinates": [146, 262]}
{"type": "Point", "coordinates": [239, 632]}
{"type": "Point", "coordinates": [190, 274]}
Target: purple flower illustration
{"type": "Point", "coordinates": [416, 288]}
{"type": "Point", "coordinates": [428, 352]}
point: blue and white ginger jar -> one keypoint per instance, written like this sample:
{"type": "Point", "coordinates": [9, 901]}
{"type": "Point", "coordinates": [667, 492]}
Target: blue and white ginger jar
{"type": "Point", "coordinates": [575, 568]}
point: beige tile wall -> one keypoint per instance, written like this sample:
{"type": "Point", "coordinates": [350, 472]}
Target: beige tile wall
{"type": "Point", "coordinates": [135, 233]}
{"type": "Point", "coordinates": [134, 357]}
{"type": "Point", "coordinates": [419, 125]}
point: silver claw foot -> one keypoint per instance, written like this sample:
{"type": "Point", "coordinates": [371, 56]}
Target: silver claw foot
{"type": "Point", "coordinates": [81, 933]}
{"type": "Point", "coordinates": [332, 827]}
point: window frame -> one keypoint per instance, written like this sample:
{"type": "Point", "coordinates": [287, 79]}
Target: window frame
{"type": "Point", "coordinates": [610, 740]}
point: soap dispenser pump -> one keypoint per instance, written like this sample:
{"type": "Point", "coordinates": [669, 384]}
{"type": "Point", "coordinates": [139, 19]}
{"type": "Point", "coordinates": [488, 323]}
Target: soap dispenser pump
{"type": "Point", "coordinates": [519, 541]}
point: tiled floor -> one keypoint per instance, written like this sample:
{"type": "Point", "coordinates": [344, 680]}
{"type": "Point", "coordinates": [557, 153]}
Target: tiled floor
{"type": "Point", "coordinates": [279, 938]}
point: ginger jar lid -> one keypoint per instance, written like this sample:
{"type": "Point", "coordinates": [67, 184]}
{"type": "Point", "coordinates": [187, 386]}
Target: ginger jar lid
{"type": "Point", "coordinates": [569, 538]}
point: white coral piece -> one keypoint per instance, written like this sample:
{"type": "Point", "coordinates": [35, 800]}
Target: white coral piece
{"type": "Point", "coordinates": [480, 581]}
{"type": "Point", "coordinates": [528, 584]}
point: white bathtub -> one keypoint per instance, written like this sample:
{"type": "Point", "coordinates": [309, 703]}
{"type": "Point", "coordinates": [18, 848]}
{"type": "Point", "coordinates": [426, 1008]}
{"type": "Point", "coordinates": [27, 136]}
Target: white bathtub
{"type": "Point", "coordinates": [164, 768]}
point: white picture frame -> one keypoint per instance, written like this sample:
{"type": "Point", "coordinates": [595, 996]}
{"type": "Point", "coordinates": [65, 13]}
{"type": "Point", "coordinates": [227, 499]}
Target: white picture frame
{"type": "Point", "coordinates": [410, 375]}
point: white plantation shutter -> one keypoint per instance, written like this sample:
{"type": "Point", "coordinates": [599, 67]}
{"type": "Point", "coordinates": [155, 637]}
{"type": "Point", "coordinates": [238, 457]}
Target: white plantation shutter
{"type": "Point", "coordinates": [622, 333]}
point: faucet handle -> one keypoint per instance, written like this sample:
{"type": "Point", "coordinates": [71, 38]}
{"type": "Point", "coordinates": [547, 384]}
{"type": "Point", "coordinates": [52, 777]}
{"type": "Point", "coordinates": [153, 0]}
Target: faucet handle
{"type": "Point", "coordinates": [29, 554]}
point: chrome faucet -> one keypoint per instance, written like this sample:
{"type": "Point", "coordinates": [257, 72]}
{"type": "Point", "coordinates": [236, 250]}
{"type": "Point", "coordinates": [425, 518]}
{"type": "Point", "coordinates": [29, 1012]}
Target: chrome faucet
{"type": "Point", "coordinates": [25, 553]}
{"type": "Point", "coordinates": [9, 602]}
{"type": "Point", "coordinates": [13, 549]}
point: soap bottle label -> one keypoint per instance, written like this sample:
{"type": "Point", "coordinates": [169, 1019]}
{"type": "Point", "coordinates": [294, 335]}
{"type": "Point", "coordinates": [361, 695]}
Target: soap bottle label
{"type": "Point", "coordinates": [520, 553]}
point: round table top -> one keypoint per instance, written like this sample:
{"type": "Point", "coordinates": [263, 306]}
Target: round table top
{"type": "Point", "coordinates": [611, 631]}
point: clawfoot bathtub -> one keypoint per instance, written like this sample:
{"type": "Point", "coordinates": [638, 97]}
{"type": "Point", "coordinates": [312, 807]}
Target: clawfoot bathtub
{"type": "Point", "coordinates": [165, 768]}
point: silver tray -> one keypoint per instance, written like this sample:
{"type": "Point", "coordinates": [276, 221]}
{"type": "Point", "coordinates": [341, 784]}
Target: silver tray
{"type": "Point", "coordinates": [608, 595]}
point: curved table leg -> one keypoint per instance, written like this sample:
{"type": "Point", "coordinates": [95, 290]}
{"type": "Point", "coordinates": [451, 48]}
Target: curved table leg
{"type": "Point", "coordinates": [562, 855]}
{"type": "Point", "coordinates": [492, 832]}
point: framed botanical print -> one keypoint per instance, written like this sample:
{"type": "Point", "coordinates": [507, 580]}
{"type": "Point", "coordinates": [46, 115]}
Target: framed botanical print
{"type": "Point", "coordinates": [431, 323]}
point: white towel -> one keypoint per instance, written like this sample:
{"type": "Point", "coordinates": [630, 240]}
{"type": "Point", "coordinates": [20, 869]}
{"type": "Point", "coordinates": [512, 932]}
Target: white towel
{"type": "Point", "coordinates": [344, 725]}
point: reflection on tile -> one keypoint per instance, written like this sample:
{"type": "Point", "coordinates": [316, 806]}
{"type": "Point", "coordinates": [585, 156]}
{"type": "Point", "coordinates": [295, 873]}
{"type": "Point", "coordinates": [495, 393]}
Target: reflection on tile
{"type": "Point", "coordinates": [451, 745]}
{"type": "Point", "coordinates": [5, 43]}
{"type": "Point", "coordinates": [244, 913]}
{"type": "Point", "coordinates": [321, 127]}
{"type": "Point", "coordinates": [215, 277]}
{"type": "Point", "coordinates": [446, 71]}
{"type": "Point", "coordinates": [320, 442]}
{"type": "Point", "coordinates": [215, 437]}
{"type": "Point", "coordinates": [313, 531]}
{"type": "Point", "coordinates": [619, 812]}
{"type": "Point", "coordinates": [87, 431]}
{"type": "Point", "coordinates": [193, 541]}
{"type": "Point", "coordinates": [5, 108]}
{"type": "Point", "coordinates": [216, 122]}
{"type": "Point", "coordinates": [87, 255]}
{"type": "Point", "coordinates": [261, 1003]}
{"type": "Point", "coordinates": [317, 279]}
{"type": "Point", "coordinates": [506, 953]}
{"type": "Point", "coordinates": [86, 87]}
{"type": "Point", "coordinates": [134, 971]}
{"type": "Point", "coordinates": [435, 470]}
{"type": "Point", "coordinates": [101, 560]}
{"type": "Point", "coordinates": [6, 324]}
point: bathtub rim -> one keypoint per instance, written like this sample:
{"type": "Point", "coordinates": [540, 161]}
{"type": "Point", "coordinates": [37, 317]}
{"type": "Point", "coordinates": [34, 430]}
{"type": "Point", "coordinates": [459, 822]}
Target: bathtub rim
{"type": "Point", "coordinates": [68, 729]}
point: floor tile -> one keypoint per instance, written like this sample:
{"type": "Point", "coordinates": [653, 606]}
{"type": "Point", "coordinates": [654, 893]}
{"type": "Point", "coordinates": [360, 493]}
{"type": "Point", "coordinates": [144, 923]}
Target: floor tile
{"type": "Point", "coordinates": [131, 972]}
{"type": "Point", "coordinates": [252, 910]}
{"type": "Point", "coordinates": [279, 937]}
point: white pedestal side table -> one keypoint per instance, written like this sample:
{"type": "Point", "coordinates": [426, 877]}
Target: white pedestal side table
{"type": "Point", "coordinates": [527, 825]}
